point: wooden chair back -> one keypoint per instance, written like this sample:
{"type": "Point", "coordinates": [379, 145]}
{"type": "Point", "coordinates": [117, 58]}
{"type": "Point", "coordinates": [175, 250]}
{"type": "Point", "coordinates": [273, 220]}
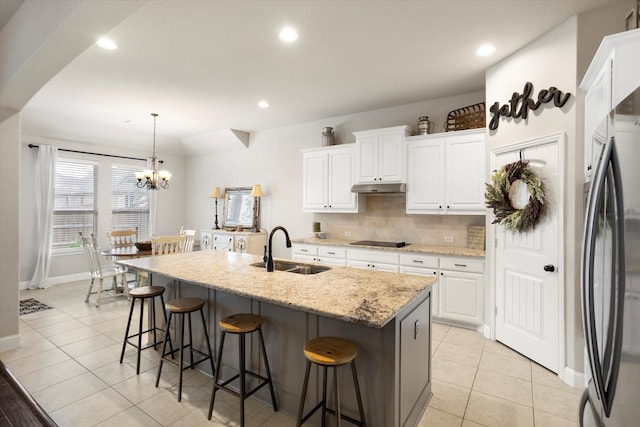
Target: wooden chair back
{"type": "Point", "coordinates": [91, 250]}
{"type": "Point", "coordinates": [191, 238]}
{"type": "Point", "coordinates": [164, 245]}
{"type": "Point", "coordinates": [123, 238]}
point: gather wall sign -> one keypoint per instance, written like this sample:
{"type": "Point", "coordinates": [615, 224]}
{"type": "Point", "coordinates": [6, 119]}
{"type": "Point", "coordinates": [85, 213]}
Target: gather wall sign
{"type": "Point", "coordinates": [521, 103]}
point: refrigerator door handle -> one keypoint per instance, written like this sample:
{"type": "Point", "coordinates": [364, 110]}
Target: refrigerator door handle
{"type": "Point", "coordinates": [588, 255]}
{"type": "Point", "coordinates": [616, 313]}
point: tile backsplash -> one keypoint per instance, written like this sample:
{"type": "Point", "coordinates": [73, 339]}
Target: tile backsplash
{"type": "Point", "coordinates": [384, 218]}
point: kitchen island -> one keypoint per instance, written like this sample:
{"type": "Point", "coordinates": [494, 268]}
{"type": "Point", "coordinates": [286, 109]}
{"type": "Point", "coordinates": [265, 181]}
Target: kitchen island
{"type": "Point", "coordinates": [387, 315]}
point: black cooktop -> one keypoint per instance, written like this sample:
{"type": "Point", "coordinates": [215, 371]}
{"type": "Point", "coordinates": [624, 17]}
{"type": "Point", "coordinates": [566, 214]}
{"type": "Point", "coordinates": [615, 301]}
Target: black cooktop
{"type": "Point", "coordinates": [382, 244]}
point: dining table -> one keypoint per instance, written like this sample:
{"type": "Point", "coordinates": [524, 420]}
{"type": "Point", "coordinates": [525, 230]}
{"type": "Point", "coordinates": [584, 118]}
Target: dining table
{"type": "Point", "coordinates": [126, 251]}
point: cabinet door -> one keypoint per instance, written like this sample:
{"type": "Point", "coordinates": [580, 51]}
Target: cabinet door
{"type": "Point", "coordinates": [425, 176]}
{"type": "Point", "coordinates": [462, 297]}
{"type": "Point", "coordinates": [414, 357]}
{"type": "Point", "coordinates": [341, 177]}
{"type": "Point", "coordinates": [368, 159]}
{"type": "Point", "coordinates": [430, 272]}
{"type": "Point", "coordinates": [314, 181]}
{"type": "Point", "coordinates": [465, 174]}
{"type": "Point", "coordinates": [206, 240]}
{"type": "Point", "coordinates": [390, 158]}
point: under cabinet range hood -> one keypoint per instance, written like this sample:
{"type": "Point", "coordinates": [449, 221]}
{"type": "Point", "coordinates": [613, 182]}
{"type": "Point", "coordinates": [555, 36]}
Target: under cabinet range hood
{"type": "Point", "coordinates": [379, 188]}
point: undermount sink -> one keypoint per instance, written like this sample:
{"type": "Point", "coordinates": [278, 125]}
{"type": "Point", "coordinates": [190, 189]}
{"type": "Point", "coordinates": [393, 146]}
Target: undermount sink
{"type": "Point", "coordinates": [294, 267]}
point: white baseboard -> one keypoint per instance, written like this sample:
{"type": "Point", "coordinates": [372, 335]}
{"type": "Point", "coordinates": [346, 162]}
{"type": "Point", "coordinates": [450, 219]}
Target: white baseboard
{"type": "Point", "coordinates": [573, 378]}
{"type": "Point", "coordinates": [486, 331]}
{"type": "Point", "coordinates": [9, 343]}
{"type": "Point", "coordinates": [52, 281]}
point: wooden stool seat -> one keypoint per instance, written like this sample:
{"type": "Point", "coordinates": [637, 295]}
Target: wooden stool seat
{"type": "Point", "coordinates": [242, 323]}
{"type": "Point", "coordinates": [146, 292]}
{"type": "Point", "coordinates": [185, 305]}
{"type": "Point", "coordinates": [330, 351]}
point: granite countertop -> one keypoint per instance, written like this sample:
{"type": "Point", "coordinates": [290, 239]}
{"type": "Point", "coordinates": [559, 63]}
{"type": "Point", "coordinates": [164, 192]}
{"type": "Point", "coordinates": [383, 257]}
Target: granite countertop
{"type": "Point", "coordinates": [411, 248]}
{"type": "Point", "coordinates": [367, 297]}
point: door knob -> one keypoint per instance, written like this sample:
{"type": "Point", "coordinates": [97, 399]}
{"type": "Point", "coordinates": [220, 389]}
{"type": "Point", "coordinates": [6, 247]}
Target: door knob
{"type": "Point", "coordinates": [549, 267]}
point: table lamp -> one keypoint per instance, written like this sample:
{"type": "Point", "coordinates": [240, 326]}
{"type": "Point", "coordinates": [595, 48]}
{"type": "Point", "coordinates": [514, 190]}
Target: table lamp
{"type": "Point", "coordinates": [256, 192]}
{"type": "Point", "coordinates": [216, 194]}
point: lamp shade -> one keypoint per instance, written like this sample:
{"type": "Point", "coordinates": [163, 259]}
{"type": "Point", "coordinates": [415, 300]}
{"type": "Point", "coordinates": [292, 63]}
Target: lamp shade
{"type": "Point", "coordinates": [215, 193]}
{"type": "Point", "coordinates": [256, 191]}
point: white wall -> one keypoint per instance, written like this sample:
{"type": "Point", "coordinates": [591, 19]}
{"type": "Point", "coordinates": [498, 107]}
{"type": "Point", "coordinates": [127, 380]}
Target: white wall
{"type": "Point", "coordinates": [274, 160]}
{"type": "Point", "coordinates": [9, 237]}
{"type": "Point", "coordinates": [559, 58]}
{"type": "Point", "coordinates": [171, 202]}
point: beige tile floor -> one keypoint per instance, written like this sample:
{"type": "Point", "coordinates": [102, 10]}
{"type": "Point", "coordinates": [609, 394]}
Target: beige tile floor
{"type": "Point", "coordinates": [68, 359]}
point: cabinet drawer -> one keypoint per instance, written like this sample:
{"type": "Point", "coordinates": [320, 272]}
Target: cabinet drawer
{"type": "Point", "coordinates": [416, 260]}
{"type": "Point", "coordinates": [305, 249]}
{"type": "Point", "coordinates": [462, 264]}
{"type": "Point", "coordinates": [332, 252]}
{"type": "Point", "coordinates": [373, 256]}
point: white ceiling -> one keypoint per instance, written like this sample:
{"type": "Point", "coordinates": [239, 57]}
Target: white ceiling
{"type": "Point", "coordinates": [203, 65]}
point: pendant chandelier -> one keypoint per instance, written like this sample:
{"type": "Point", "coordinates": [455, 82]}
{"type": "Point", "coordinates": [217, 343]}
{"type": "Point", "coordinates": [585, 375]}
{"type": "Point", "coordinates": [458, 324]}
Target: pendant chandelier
{"type": "Point", "coordinates": [153, 179]}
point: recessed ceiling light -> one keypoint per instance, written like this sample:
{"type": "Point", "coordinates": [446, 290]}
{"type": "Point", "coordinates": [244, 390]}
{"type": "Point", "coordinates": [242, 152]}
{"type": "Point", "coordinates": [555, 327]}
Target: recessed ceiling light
{"type": "Point", "coordinates": [485, 49]}
{"type": "Point", "coordinates": [106, 43]}
{"type": "Point", "coordinates": [263, 104]}
{"type": "Point", "coordinates": [288, 34]}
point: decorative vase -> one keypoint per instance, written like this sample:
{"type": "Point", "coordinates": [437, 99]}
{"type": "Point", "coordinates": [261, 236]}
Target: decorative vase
{"type": "Point", "coordinates": [328, 136]}
{"type": "Point", "coordinates": [424, 125]}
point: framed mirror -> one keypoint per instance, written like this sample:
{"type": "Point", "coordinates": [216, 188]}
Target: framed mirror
{"type": "Point", "coordinates": [238, 208]}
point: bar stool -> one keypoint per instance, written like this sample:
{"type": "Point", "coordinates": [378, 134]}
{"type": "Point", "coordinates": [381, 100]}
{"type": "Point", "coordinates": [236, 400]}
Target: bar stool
{"type": "Point", "coordinates": [142, 294]}
{"type": "Point", "coordinates": [330, 352]}
{"type": "Point", "coordinates": [241, 325]}
{"type": "Point", "coordinates": [180, 307]}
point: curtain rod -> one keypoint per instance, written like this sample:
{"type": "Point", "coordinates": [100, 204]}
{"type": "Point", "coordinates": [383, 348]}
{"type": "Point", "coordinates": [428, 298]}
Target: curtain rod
{"type": "Point", "coordinates": [95, 154]}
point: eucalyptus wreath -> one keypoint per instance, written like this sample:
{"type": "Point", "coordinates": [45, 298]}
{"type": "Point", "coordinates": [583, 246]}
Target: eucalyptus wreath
{"type": "Point", "coordinates": [497, 197]}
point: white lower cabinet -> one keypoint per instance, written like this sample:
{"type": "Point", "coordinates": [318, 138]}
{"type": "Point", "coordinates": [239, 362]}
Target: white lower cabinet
{"type": "Point", "coordinates": [373, 259]}
{"type": "Point", "coordinates": [233, 241]}
{"type": "Point", "coordinates": [304, 252]}
{"type": "Point", "coordinates": [332, 255]}
{"type": "Point", "coordinates": [423, 265]}
{"type": "Point", "coordinates": [461, 289]}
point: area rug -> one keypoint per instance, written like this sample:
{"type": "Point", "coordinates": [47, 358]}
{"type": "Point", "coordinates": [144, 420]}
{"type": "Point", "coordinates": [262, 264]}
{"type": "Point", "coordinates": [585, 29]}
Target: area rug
{"type": "Point", "coordinates": [32, 305]}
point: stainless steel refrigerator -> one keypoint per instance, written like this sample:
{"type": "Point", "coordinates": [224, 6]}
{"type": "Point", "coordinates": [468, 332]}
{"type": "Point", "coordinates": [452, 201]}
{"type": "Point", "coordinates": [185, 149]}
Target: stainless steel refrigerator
{"type": "Point", "coordinates": [611, 272]}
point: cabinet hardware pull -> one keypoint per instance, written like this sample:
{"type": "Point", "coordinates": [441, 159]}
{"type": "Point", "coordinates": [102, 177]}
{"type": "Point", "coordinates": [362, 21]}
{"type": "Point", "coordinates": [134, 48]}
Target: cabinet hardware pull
{"type": "Point", "coordinates": [418, 261]}
{"type": "Point", "coordinates": [460, 265]}
{"type": "Point", "coordinates": [304, 250]}
{"type": "Point", "coordinates": [331, 253]}
{"type": "Point", "coordinates": [415, 329]}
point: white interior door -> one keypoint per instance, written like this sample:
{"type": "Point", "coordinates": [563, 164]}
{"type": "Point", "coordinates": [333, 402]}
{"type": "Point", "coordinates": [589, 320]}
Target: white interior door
{"type": "Point", "coordinates": [528, 295]}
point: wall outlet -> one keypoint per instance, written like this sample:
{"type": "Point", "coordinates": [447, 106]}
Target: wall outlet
{"type": "Point", "coordinates": [347, 234]}
{"type": "Point", "coordinates": [448, 239]}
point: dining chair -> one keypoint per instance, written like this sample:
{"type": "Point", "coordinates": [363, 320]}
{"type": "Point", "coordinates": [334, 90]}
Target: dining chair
{"type": "Point", "coordinates": [123, 238]}
{"type": "Point", "coordinates": [164, 245]}
{"type": "Point", "coordinates": [191, 238]}
{"type": "Point", "coordinates": [97, 271]}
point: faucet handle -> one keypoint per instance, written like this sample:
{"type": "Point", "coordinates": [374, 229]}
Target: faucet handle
{"type": "Point", "coordinates": [264, 256]}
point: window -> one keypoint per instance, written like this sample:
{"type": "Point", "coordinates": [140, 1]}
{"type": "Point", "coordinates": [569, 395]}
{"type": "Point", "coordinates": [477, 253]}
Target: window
{"type": "Point", "coordinates": [129, 204]}
{"type": "Point", "coordinates": [75, 203]}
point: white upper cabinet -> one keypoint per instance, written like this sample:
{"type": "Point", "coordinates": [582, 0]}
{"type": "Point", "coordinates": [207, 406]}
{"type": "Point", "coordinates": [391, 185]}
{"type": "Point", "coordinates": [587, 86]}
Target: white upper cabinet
{"type": "Point", "coordinates": [328, 174]}
{"type": "Point", "coordinates": [446, 173]}
{"type": "Point", "coordinates": [381, 155]}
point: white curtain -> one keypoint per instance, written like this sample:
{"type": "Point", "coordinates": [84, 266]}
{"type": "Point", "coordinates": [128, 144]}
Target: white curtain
{"type": "Point", "coordinates": [45, 192]}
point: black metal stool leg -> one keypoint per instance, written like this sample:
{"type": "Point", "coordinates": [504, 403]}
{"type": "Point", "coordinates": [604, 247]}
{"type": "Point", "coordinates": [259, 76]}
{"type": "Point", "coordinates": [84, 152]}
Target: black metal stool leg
{"type": "Point", "coordinates": [305, 384]}
{"type": "Point", "coordinates": [358, 395]}
{"type": "Point", "coordinates": [206, 336]}
{"type": "Point", "coordinates": [181, 357]}
{"type": "Point", "coordinates": [191, 341]}
{"type": "Point", "coordinates": [166, 325]}
{"type": "Point", "coordinates": [140, 336]}
{"type": "Point", "coordinates": [153, 322]}
{"type": "Point", "coordinates": [126, 334]}
{"type": "Point", "coordinates": [164, 348]}
{"type": "Point", "coordinates": [266, 366]}
{"type": "Point", "coordinates": [217, 377]}
{"type": "Point", "coordinates": [324, 396]}
{"type": "Point", "coordinates": [242, 377]}
{"type": "Point", "coordinates": [337, 396]}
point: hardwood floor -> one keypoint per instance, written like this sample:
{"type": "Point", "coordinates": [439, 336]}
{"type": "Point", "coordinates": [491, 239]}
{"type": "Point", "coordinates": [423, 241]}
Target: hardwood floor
{"type": "Point", "coordinates": [68, 359]}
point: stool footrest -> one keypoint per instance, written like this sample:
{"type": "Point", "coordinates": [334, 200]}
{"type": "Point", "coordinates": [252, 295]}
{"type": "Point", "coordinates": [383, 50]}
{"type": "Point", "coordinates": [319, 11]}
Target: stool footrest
{"type": "Point", "coordinates": [223, 385]}
{"type": "Point", "coordinates": [205, 357]}
{"type": "Point", "coordinates": [332, 412]}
